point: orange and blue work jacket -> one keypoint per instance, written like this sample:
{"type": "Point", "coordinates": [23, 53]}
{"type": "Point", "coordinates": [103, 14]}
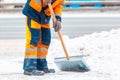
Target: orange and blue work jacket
{"type": "Point", "coordinates": [38, 10]}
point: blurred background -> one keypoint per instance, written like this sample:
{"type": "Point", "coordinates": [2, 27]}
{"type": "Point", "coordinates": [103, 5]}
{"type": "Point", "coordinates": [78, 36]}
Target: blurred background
{"type": "Point", "coordinates": [80, 17]}
{"type": "Point", "coordinates": [93, 27]}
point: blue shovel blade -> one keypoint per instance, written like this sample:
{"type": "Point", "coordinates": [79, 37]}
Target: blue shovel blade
{"type": "Point", "coordinates": [76, 63]}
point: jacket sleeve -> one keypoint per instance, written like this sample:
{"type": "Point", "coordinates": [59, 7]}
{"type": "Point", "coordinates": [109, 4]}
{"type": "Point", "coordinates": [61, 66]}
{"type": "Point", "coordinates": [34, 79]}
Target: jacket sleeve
{"type": "Point", "coordinates": [57, 7]}
{"type": "Point", "coordinates": [58, 10]}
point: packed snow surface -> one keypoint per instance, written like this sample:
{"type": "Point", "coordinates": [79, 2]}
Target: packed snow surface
{"type": "Point", "coordinates": [103, 49]}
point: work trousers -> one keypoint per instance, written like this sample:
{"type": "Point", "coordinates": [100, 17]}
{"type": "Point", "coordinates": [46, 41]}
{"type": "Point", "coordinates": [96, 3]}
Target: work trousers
{"type": "Point", "coordinates": [38, 37]}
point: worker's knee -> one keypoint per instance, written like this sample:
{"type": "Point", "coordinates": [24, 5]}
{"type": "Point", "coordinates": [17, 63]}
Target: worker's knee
{"type": "Point", "coordinates": [34, 29]}
{"type": "Point", "coordinates": [46, 36]}
{"type": "Point", "coordinates": [35, 36]}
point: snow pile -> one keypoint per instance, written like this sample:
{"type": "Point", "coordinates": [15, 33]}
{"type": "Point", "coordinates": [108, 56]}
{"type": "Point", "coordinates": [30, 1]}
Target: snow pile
{"type": "Point", "coordinates": [103, 49]}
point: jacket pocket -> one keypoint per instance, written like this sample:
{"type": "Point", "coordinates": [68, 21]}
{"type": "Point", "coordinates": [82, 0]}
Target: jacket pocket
{"type": "Point", "coordinates": [36, 4]}
{"type": "Point", "coordinates": [35, 25]}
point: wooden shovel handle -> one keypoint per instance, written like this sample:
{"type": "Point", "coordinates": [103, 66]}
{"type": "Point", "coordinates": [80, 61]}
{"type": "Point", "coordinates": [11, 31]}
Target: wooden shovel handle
{"type": "Point", "coordinates": [59, 33]}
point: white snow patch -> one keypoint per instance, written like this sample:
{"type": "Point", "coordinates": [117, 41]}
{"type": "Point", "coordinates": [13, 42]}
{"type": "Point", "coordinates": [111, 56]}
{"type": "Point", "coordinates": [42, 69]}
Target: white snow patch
{"type": "Point", "coordinates": [103, 48]}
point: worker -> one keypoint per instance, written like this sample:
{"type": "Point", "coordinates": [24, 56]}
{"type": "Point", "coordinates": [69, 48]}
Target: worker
{"type": "Point", "coordinates": [38, 34]}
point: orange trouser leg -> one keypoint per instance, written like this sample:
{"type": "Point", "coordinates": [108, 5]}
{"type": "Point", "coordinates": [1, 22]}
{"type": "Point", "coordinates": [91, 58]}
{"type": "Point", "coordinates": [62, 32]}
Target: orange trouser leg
{"type": "Point", "coordinates": [37, 43]}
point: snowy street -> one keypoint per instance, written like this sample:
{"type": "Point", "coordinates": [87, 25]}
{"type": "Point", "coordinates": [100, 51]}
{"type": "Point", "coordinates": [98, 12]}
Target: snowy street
{"type": "Point", "coordinates": [104, 50]}
{"type": "Point", "coordinates": [103, 46]}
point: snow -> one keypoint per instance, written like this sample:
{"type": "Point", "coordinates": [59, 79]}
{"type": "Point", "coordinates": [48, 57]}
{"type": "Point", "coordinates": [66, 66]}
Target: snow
{"type": "Point", "coordinates": [103, 49]}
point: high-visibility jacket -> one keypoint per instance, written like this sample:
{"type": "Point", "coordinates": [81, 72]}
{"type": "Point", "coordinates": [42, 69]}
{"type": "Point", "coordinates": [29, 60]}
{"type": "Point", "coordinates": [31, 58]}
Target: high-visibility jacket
{"type": "Point", "coordinates": [39, 11]}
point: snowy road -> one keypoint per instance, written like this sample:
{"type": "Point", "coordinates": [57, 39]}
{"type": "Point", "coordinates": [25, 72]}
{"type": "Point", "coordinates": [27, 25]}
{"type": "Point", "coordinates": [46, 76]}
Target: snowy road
{"type": "Point", "coordinates": [103, 48]}
{"type": "Point", "coordinates": [104, 59]}
{"type": "Point", "coordinates": [73, 26]}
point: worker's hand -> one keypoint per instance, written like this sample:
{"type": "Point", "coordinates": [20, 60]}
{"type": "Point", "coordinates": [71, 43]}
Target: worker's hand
{"type": "Point", "coordinates": [47, 1]}
{"type": "Point", "coordinates": [57, 25]}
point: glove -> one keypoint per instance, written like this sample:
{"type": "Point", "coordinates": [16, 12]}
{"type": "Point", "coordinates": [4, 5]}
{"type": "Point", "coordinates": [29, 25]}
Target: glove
{"type": "Point", "coordinates": [57, 25]}
{"type": "Point", "coordinates": [47, 1]}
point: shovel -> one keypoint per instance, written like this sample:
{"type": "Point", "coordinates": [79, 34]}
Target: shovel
{"type": "Point", "coordinates": [73, 63]}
